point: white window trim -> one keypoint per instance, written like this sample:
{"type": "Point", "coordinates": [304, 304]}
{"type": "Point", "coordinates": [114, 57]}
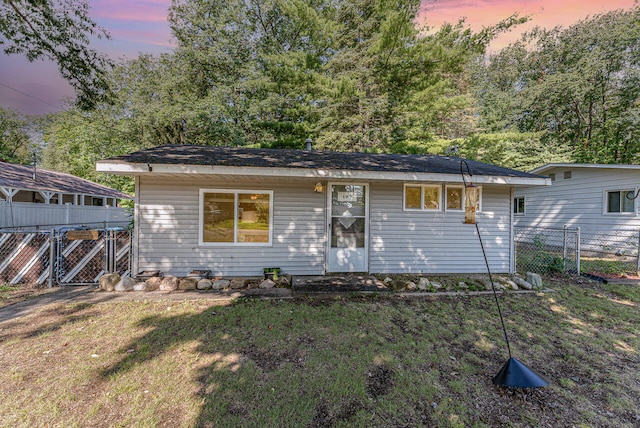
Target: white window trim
{"type": "Point", "coordinates": [235, 192]}
{"type": "Point", "coordinates": [421, 187]}
{"type": "Point", "coordinates": [605, 202]}
{"type": "Point", "coordinates": [515, 204]}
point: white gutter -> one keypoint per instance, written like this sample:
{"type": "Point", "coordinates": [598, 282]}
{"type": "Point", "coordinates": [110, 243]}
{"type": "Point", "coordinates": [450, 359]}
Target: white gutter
{"type": "Point", "coordinates": [542, 169]}
{"type": "Point", "coordinates": [138, 169]}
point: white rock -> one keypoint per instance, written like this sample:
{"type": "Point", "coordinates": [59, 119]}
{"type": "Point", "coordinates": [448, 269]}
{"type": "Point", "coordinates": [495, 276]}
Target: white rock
{"type": "Point", "coordinates": [168, 283]}
{"type": "Point", "coordinates": [522, 283]}
{"type": "Point", "coordinates": [534, 279]}
{"type": "Point", "coordinates": [424, 284]}
{"type": "Point", "coordinates": [267, 283]}
{"type": "Point", "coordinates": [220, 284]}
{"type": "Point", "coordinates": [140, 286]}
{"type": "Point", "coordinates": [436, 285]}
{"type": "Point", "coordinates": [108, 281]}
{"type": "Point", "coordinates": [204, 284]}
{"type": "Point", "coordinates": [387, 280]}
{"type": "Point", "coordinates": [125, 284]}
{"type": "Point", "coordinates": [411, 286]}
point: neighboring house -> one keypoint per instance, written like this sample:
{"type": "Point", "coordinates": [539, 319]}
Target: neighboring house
{"type": "Point", "coordinates": [38, 197]}
{"type": "Point", "coordinates": [235, 211]}
{"type": "Point", "coordinates": [590, 196]}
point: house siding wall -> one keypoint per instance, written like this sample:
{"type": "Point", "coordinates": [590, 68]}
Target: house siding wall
{"type": "Point", "coordinates": [578, 201]}
{"type": "Point", "coordinates": [399, 241]}
{"type": "Point", "coordinates": [437, 242]}
{"type": "Point", "coordinates": [168, 216]}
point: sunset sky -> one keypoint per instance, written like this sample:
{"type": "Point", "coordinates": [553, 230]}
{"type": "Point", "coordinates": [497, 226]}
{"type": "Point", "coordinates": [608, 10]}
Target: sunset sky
{"type": "Point", "coordinates": [141, 26]}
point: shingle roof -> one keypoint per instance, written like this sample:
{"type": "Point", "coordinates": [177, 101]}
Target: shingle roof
{"type": "Point", "coordinates": [21, 177]}
{"type": "Point", "coordinates": [314, 159]}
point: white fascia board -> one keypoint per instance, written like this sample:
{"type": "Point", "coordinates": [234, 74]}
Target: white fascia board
{"type": "Point", "coordinates": [123, 168]}
{"type": "Point", "coordinates": [549, 166]}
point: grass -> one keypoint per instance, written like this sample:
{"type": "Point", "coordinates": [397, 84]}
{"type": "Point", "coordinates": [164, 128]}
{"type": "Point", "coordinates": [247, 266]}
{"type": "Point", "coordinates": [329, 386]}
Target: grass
{"type": "Point", "coordinates": [368, 362]}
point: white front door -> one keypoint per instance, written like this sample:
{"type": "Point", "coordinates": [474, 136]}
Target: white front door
{"type": "Point", "coordinates": [348, 228]}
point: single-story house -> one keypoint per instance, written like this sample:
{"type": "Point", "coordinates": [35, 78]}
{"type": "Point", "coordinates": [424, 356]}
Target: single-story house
{"type": "Point", "coordinates": [235, 211]}
{"type": "Point", "coordinates": [590, 196]}
{"type": "Point", "coordinates": [31, 196]}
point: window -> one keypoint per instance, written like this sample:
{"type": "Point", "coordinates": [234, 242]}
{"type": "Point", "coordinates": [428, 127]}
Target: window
{"type": "Point", "coordinates": [454, 198]}
{"type": "Point", "coordinates": [567, 175]}
{"type": "Point", "coordinates": [617, 201]}
{"type": "Point", "coordinates": [235, 217]}
{"type": "Point", "coordinates": [518, 205]}
{"type": "Point", "coordinates": [427, 198]}
{"type": "Point", "coordinates": [552, 176]}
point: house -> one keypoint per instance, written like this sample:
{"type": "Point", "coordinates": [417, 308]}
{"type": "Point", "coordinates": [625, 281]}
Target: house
{"type": "Point", "coordinates": [35, 197]}
{"type": "Point", "coordinates": [235, 211]}
{"type": "Point", "coordinates": [590, 196]}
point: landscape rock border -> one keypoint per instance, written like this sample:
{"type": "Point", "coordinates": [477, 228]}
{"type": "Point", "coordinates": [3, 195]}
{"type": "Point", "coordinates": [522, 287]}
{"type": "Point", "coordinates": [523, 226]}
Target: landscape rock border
{"type": "Point", "coordinates": [463, 283]}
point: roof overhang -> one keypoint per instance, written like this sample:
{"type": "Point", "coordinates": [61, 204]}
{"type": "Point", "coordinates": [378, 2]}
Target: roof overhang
{"type": "Point", "coordinates": [550, 166]}
{"type": "Point", "coordinates": [146, 169]}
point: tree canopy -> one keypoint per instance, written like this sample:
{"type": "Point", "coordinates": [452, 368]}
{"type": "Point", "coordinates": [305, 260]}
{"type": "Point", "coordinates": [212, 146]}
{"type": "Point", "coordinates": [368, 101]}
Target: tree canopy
{"type": "Point", "coordinates": [579, 87]}
{"type": "Point", "coordinates": [359, 75]}
{"type": "Point", "coordinates": [58, 30]}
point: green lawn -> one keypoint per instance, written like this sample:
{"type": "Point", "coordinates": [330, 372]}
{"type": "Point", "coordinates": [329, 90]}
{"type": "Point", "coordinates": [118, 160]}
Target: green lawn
{"type": "Point", "coordinates": [368, 362]}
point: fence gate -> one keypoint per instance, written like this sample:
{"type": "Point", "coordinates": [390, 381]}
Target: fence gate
{"type": "Point", "coordinates": [24, 257]}
{"type": "Point", "coordinates": [63, 256]}
{"type": "Point", "coordinates": [83, 256]}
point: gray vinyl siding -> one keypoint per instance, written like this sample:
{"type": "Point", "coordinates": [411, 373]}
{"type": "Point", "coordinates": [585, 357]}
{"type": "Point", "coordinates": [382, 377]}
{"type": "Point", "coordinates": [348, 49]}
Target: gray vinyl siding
{"type": "Point", "coordinates": [399, 241]}
{"type": "Point", "coordinates": [578, 201]}
{"type": "Point", "coordinates": [168, 218]}
{"type": "Point", "coordinates": [437, 242]}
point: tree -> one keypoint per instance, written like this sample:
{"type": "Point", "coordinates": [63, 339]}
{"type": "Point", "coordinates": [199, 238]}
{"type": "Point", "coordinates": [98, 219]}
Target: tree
{"type": "Point", "coordinates": [58, 30]}
{"type": "Point", "coordinates": [579, 86]}
{"type": "Point", "coordinates": [15, 144]}
{"type": "Point", "coordinates": [351, 74]}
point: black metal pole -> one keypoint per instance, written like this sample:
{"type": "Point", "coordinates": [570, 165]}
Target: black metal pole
{"type": "Point", "coordinates": [495, 294]}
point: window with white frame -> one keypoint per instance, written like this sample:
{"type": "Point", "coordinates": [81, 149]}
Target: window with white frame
{"type": "Point", "coordinates": [619, 201]}
{"type": "Point", "coordinates": [422, 197]}
{"type": "Point", "coordinates": [455, 198]}
{"type": "Point", "coordinates": [518, 205]}
{"type": "Point", "coordinates": [236, 217]}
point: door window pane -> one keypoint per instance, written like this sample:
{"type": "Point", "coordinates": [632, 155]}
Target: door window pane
{"type": "Point", "coordinates": [347, 232]}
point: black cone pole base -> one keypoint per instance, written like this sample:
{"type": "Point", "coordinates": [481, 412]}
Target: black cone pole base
{"type": "Point", "coordinates": [514, 374]}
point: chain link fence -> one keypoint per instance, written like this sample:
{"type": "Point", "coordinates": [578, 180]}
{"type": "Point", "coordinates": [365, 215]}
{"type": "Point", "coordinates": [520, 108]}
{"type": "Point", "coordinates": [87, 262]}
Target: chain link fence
{"type": "Point", "coordinates": [545, 251]}
{"type": "Point", "coordinates": [606, 252]}
{"type": "Point", "coordinates": [600, 252]}
{"type": "Point", "coordinates": [63, 256]}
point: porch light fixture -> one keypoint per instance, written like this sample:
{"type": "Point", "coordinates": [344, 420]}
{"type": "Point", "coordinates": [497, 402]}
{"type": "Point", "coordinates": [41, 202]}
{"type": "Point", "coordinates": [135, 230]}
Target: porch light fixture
{"type": "Point", "coordinates": [319, 188]}
{"type": "Point", "coordinates": [513, 373]}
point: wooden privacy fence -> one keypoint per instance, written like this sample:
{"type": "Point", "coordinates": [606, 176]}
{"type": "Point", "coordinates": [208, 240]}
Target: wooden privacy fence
{"type": "Point", "coordinates": [63, 256]}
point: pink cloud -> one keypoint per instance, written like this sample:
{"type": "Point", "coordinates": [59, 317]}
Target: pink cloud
{"type": "Point", "coordinates": [543, 13]}
{"type": "Point", "coordinates": [125, 10]}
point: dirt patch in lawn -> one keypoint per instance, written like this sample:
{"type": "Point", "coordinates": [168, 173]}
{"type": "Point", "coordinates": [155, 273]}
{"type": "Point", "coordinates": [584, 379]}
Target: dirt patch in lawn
{"type": "Point", "coordinates": [10, 294]}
